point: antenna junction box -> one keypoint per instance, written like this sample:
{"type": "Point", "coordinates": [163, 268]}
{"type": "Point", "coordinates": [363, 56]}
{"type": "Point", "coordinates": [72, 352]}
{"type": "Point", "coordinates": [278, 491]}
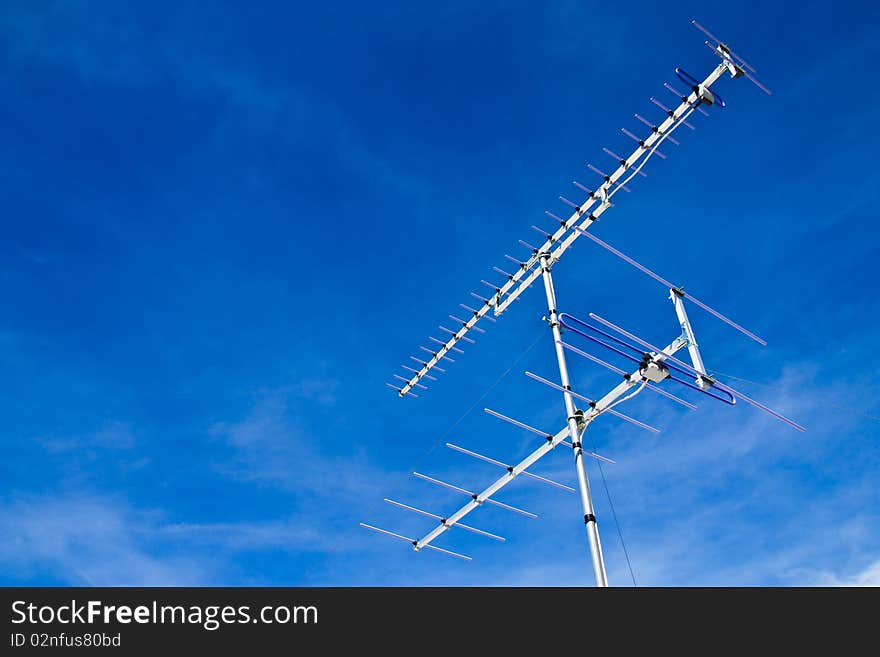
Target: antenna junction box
{"type": "Point", "coordinates": [654, 371]}
{"type": "Point", "coordinates": [706, 96]}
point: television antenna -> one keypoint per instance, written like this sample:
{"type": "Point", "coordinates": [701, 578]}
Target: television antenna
{"type": "Point", "coordinates": [653, 365]}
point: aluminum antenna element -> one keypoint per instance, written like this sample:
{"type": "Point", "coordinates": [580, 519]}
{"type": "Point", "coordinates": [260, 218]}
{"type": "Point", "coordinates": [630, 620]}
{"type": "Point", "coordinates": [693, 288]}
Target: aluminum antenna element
{"type": "Point", "coordinates": [736, 64]}
{"type": "Point", "coordinates": [592, 403]}
{"type": "Point", "coordinates": [473, 530]}
{"type": "Point", "coordinates": [476, 497]}
{"type": "Point", "coordinates": [464, 557]}
{"type": "Point", "coordinates": [508, 467]}
{"type": "Point", "coordinates": [718, 41]}
{"type": "Point", "coordinates": [517, 423]}
{"type": "Point", "coordinates": [677, 289]}
{"type": "Point", "coordinates": [720, 386]}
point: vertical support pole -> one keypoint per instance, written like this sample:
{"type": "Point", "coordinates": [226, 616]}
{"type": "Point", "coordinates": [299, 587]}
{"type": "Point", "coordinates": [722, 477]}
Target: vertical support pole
{"type": "Point", "coordinates": [575, 433]}
{"type": "Point", "coordinates": [688, 332]}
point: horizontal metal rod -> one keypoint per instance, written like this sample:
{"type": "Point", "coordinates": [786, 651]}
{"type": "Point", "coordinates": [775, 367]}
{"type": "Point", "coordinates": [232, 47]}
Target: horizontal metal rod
{"type": "Point", "coordinates": [682, 97]}
{"type": "Point", "coordinates": [757, 83]}
{"type": "Point", "coordinates": [583, 188]}
{"type": "Point", "coordinates": [622, 161]}
{"type": "Point", "coordinates": [627, 259]}
{"type": "Point", "coordinates": [463, 557]}
{"type": "Point", "coordinates": [678, 400]}
{"type": "Point", "coordinates": [451, 332]}
{"type": "Point", "coordinates": [760, 406]}
{"type": "Point", "coordinates": [599, 172]}
{"type": "Point", "coordinates": [696, 106]}
{"type": "Point", "coordinates": [477, 312]}
{"type": "Point", "coordinates": [632, 136]}
{"type": "Point", "coordinates": [669, 111]}
{"type": "Point", "coordinates": [464, 323]}
{"type": "Point", "coordinates": [497, 485]}
{"type": "Point", "coordinates": [611, 367]}
{"type": "Point", "coordinates": [508, 467]}
{"type": "Point", "coordinates": [644, 344]}
{"type": "Point", "coordinates": [724, 319]}
{"type": "Point", "coordinates": [476, 456]}
{"type": "Point", "coordinates": [404, 379]}
{"type": "Point", "coordinates": [434, 353]}
{"type": "Point", "coordinates": [418, 360]}
{"type": "Point", "coordinates": [708, 390]}
{"type": "Point", "coordinates": [640, 141]}
{"type": "Point", "coordinates": [488, 500]}
{"type": "Point", "coordinates": [592, 403]}
{"type": "Point", "coordinates": [457, 555]}
{"type": "Point", "coordinates": [725, 54]}
{"type": "Point", "coordinates": [555, 217]}
{"type": "Point", "coordinates": [656, 129]}
{"type": "Point", "coordinates": [408, 392]}
{"type": "Point", "coordinates": [473, 530]}
{"type": "Point", "coordinates": [517, 423]}
{"type": "Point", "coordinates": [591, 357]}
{"type": "Point", "coordinates": [642, 425]}
{"type": "Point", "coordinates": [415, 371]}
{"type": "Point", "coordinates": [566, 321]}
{"type": "Point", "coordinates": [702, 29]}
{"type": "Point", "coordinates": [598, 457]}
{"type": "Point", "coordinates": [438, 341]}
{"type": "Point", "coordinates": [720, 386]}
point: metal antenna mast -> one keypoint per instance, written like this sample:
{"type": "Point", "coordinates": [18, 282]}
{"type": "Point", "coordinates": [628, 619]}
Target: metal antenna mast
{"type": "Point", "coordinates": [653, 365]}
{"type": "Point", "coordinates": [573, 429]}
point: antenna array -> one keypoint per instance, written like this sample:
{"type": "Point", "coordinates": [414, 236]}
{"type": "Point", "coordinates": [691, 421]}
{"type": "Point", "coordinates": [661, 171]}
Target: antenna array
{"type": "Point", "coordinates": [653, 366]}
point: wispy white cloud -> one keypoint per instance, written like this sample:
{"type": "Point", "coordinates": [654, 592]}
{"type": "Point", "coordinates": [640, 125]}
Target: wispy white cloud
{"type": "Point", "coordinates": [112, 435]}
{"type": "Point", "coordinates": [701, 533]}
{"type": "Point", "coordinates": [88, 541]}
{"type": "Point", "coordinates": [288, 535]}
{"type": "Point", "coordinates": [93, 540]}
{"type": "Point", "coordinates": [271, 445]}
{"type": "Point", "coordinates": [868, 576]}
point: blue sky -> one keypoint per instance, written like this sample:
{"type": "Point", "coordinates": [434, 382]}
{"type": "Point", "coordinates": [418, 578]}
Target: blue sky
{"type": "Point", "coordinates": [225, 229]}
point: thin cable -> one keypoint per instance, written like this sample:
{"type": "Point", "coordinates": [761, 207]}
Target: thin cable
{"type": "Point", "coordinates": [671, 129]}
{"type": "Point", "coordinates": [617, 524]}
{"type": "Point", "coordinates": [629, 396]}
{"type": "Point", "coordinates": [611, 505]}
{"type": "Point", "coordinates": [497, 381]}
{"type": "Point", "coordinates": [636, 171]}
